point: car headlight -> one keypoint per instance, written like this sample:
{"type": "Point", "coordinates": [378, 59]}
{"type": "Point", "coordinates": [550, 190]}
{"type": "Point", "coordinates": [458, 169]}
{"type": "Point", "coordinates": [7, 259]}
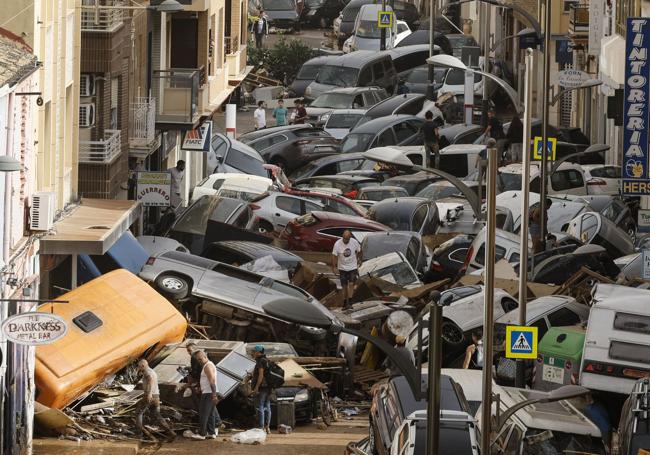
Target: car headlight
{"type": "Point", "coordinates": [308, 91]}
{"type": "Point", "coordinates": [303, 395]}
{"type": "Point", "coordinates": [324, 118]}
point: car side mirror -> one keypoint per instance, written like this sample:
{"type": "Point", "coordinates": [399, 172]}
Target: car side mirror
{"type": "Point", "coordinates": [219, 159]}
{"type": "Point", "coordinates": [446, 299]}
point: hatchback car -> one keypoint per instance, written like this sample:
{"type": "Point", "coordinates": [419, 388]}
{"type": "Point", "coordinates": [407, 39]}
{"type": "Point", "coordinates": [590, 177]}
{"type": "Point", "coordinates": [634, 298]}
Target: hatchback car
{"type": "Point", "coordinates": [409, 244]}
{"type": "Point", "coordinates": [407, 214]}
{"type": "Point", "coordinates": [341, 121]}
{"type": "Point", "coordinates": [319, 110]}
{"type": "Point", "coordinates": [291, 148]}
{"type": "Point", "coordinates": [448, 258]}
{"type": "Point", "coordinates": [602, 178]}
{"type": "Point", "coordinates": [318, 231]}
{"type": "Point", "coordinates": [275, 210]}
{"type": "Point", "coordinates": [306, 75]}
{"type": "Point", "coordinates": [238, 252]}
{"type": "Point", "coordinates": [417, 80]}
{"type": "Point", "coordinates": [386, 131]}
{"type": "Point", "coordinates": [230, 155]}
{"type": "Point", "coordinates": [349, 185]}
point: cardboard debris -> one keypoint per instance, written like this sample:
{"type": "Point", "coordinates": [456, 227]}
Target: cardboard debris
{"type": "Point", "coordinates": [296, 376]}
{"type": "Point", "coordinates": [50, 418]}
{"type": "Point", "coordinates": [535, 290]}
{"type": "Point", "coordinates": [579, 286]}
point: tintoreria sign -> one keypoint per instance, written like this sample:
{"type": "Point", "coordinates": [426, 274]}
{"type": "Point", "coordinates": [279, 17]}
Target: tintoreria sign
{"type": "Point", "coordinates": [34, 328]}
{"type": "Point", "coordinates": [636, 176]}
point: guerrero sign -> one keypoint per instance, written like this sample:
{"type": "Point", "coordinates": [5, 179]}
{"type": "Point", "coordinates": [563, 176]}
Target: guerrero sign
{"type": "Point", "coordinates": [34, 328]}
{"type": "Point", "coordinates": [154, 189]}
{"type": "Point", "coordinates": [636, 179]}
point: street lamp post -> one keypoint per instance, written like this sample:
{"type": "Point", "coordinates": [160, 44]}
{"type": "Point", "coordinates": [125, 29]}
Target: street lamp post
{"type": "Point", "coordinates": [434, 382]}
{"type": "Point", "coordinates": [431, 94]}
{"type": "Point", "coordinates": [545, 114]}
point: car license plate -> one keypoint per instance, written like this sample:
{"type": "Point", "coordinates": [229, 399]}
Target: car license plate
{"type": "Point", "coordinates": [553, 374]}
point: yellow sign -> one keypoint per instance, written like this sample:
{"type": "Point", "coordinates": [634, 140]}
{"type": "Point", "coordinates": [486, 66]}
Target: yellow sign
{"type": "Point", "coordinates": [385, 19]}
{"type": "Point", "coordinates": [521, 342]}
{"type": "Point", "coordinates": [537, 149]}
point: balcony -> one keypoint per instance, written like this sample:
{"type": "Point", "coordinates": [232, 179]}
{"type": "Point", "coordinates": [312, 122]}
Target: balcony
{"type": "Point", "coordinates": [101, 152]}
{"type": "Point", "coordinates": [232, 44]}
{"type": "Point", "coordinates": [177, 96]}
{"type": "Point", "coordinates": [579, 22]}
{"type": "Point", "coordinates": [101, 20]}
{"type": "Point", "coordinates": [142, 124]}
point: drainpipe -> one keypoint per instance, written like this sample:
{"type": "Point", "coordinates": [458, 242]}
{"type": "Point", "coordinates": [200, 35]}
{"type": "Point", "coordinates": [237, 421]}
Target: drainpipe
{"type": "Point", "coordinates": [9, 152]}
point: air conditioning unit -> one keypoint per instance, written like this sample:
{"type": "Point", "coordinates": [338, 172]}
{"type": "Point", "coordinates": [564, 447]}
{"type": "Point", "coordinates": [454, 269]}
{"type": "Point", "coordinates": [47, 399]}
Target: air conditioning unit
{"type": "Point", "coordinates": [42, 211]}
{"type": "Point", "coordinates": [86, 115]}
{"type": "Point", "coordinates": [87, 85]}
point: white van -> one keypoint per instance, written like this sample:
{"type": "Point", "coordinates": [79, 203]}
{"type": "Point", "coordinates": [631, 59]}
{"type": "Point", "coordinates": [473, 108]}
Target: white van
{"type": "Point", "coordinates": [617, 344]}
{"type": "Point", "coordinates": [236, 186]}
{"type": "Point", "coordinates": [367, 34]}
{"type": "Point", "coordinates": [507, 247]}
{"type": "Point", "coordinates": [569, 178]}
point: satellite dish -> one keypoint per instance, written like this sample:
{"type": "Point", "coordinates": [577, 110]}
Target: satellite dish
{"type": "Point", "coordinates": [400, 323]}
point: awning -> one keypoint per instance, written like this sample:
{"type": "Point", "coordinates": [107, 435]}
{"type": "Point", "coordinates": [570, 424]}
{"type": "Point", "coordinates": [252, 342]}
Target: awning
{"type": "Point", "coordinates": [91, 228]}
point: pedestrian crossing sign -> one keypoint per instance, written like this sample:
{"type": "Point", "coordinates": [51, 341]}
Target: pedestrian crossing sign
{"type": "Point", "coordinates": [521, 342]}
{"type": "Point", "coordinates": [551, 146]}
{"type": "Point", "coordinates": [385, 19]}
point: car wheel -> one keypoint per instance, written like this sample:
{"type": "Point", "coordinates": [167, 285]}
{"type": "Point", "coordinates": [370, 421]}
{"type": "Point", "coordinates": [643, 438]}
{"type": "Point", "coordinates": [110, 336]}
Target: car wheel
{"type": "Point", "coordinates": [631, 231]}
{"type": "Point", "coordinates": [172, 286]}
{"type": "Point", "coordinates": [264, 227]}
{"type": "Point", "coordinates": [451, 333]}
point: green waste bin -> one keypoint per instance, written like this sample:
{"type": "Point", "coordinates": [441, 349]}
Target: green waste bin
{"type": "Point", "coordinates": [558, 357]}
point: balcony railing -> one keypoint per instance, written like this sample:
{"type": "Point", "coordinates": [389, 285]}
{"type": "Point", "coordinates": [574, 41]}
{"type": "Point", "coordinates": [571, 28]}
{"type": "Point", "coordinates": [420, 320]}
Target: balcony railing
{"type": "Point", "coordinates": [142, 128]}
{"type": "Point", "coordinates": [232, 44]}
{"type": "Point", "coordinates": [101, 152]}
{"type": "Point", "coordinates": [579, 20]}
{"type": "Point", "coordinates": [177, 94]}
{"type": "Point", "coordinates": [101, 20]}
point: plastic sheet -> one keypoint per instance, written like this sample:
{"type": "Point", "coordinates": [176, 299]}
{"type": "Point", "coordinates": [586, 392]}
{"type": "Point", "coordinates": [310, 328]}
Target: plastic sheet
{"type": "Point", "coordinates": [254, 436]}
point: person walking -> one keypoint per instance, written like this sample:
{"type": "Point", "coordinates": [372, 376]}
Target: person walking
{"type": "Point", "coordinates": [150, 400]}
{"type": "Point", "coordinates": [260, 116]}
{"type": "Point", "coordinates": [346, 260]}
{"type": "Point", "coordinates": [515, 138]}
{"type": "Point", "coordinates": [177, 174]}
{"type": "Point", "coordinates": [280, 114]}
{"type": "Point", "coordinates": [260, 29]}
{"type": "Point", "coordinates": [494, 130]}
{"type": "Point", "coordinates": [208, 415]}
{"type": "Point", "coordinates": [261, 390]}
{"type": "Point", "coordinates": [300, 112]}
{"type": "Point", "coordinates": [431, 138]}
{"type": "Point", "coordinates": [474, 358]}
{"type": "Point", "coordinates": [402, 89]}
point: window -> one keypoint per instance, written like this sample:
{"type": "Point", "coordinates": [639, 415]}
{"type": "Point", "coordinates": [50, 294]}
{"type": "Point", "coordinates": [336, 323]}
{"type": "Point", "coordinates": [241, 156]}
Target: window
{"type": "Point", "coordinates": [401, 27]}
{"type": "Point", "coordinates": [308, 72]}
{"type": "Point", "coordinates": [458, 255]}
{"type": "Point", "coordinates": [386, 138]}
{"type": "Point", "coordinates": [416, 158]}
{"type": "Point", "coordinates": [358, 103]}
{"type": "Point", "coordinates": [625, 9]}
{"type": "Point", "coordinates": [412, 251]}
{"type": "Point", "coordinates": [632, 323]}
{"type": "Point", "coordinates": [365, 77]}
{"type": "Point", "coordinates": [613, 210]}
{"type": "Point", "coordinates": [288, 204]}
{"type": "Point", "coordinates": [338, 207]}
{"type": "Point", "coordinates": [468, 138]}
{"type": "Point", "coordinates": [542, 328]}
{"type": "Point", "coordinates": [404, 131]}
{"type": "Point", "coordinates": [217, 184]}
{"type": "Point", "coordinates": [563, 317]}
{"type": "Point", "coordinates": [330, 169]}
{"type": "Point", "coordinates": [335, 232]}
{"type": "Point", "coordinates": [349, 165]}
{"type": "Point", "coordinates": [413, 107]}
{"type": "Point", "coordinates": [567, 179]}
{"type": "Point", "coordinates": [262, 144]}
{"type": "Point", "coordinates": [567, 5]}
{"type": "Point", "coordinates": [219, 145]}
{"type": "Point", "coordinates": [631, 352]}
{"type": "Point", "coordinates": [500, 253]}
{"type": "Point", "coordinates": [310, 207]}
{"type": "Point", "coordinates": [369, 99]}
{"type": "Point", "coordinates": [378, 69]}
{"type": "Point", "coordinates": [245, 163]}
{"type": "Point", "coordinates": [419, 217]}
{"type": "Point", "coordinates": [403, 441]}
{"type": "Point", "coordinates": [608, 172]}
{"type": "Point", "coordinates": [588, 228]}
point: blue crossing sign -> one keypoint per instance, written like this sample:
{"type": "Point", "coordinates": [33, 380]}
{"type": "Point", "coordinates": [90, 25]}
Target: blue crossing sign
{"type": "Point", "coordinates": [385, 19]}
{"type": "Point", "coordinates": [551, 147]}
{"type": "Point", "coordinates": [521, 342]}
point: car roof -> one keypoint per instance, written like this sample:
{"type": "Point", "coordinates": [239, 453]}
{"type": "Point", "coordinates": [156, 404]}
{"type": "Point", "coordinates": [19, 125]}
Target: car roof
{"type": "Point", "coordinates": [388, 106]}
{"type": "Point", "coordinates": [347, 111]}
{"type": "Point", "coordinates": [375, 124]}
{"type": "Point", "coordinates": [366, 189]}
{"type": "Point", "coordinates": [321, 59]}
{"type": "Point", "coordinates": [351, 90]}
{"type": "Point", "coordinates": [452, 131]}
{"type": "Point", "coordinates": [397, 52]}
{"type": "Point", "coordinates": [408, 404]}
{"type": "Point", "coordinates": [251, 136]}
{"type": "Point", "coordinates": [355, 59]}
{"type": "Point", "coordinates": [536, 308]}
{"type": "Point", "coordinates": [463, 148]}
{"type": "Point", "coordinates": [343, 218]}
{"type": "Point", "coordinates": [411, 177]}
{"type": "Point", "coordinates": [255, 249]}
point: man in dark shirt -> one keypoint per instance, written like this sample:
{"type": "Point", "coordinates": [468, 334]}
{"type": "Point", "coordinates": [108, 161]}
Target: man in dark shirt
{"type": "Point", "coordinates": [301, 112]}
{"type": "Point", "coordinates": [261, 391]}
{"type": "Point", "coordinates": [495, 131]}
{"type": "Point", "coordinates": [431, 139]}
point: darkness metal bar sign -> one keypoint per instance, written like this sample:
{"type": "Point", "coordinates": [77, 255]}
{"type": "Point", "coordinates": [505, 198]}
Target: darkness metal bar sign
{"type": "Point", "coordinates": [636, 175]}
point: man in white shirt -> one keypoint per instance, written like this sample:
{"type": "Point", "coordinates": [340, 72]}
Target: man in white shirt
{"type": "Point", "coordinates": [346, 259]}
{"type": "Point", "coordinates": [150, 400]}
{"type": "Point", "coordinates": [260, 116]}
{"type": "Point", "coordinates": [178, 174]}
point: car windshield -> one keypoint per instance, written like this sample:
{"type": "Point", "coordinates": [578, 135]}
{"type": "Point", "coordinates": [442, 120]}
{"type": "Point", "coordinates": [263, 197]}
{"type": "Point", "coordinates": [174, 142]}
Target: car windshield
{"type": "Point", "coordinates": [243, 195]}
{"type": "Point", "coordinates": [195, 219]}
{"type": "Point", "coordinates": [343, 120]}
{"type": "Point", "coordinates": [462, 41]}
{"type": "Point", "coordinates": [279, 5]}
{"type": "Point", "coordinates": [308, 72]}
{"type": "Point", "coordinates": [245, 162]}
{"type": "Point", "coordinates": [340, 76]}
{"type": "Point", "coordinates": [304, 171]}
{"type": "Point", "coordinates": [457, 77]}
{"type": "Point", "coordinates": [388, 216]}
{"type": "Point", "coordinates": [356, 142]}
{"type": "Point", "coordinates": [400, 274]}
{"type": "Point", "coordinates": [418, 76]}
{"type": "Point", "coordinates": [509, 182]}
{"type": "Point", "coordinates": [368, 29]}
{"type": "Point", "coordinates": [350, 13]}
{"type": "Point", "coordinates": [380, 195]}
{"type": "Point", "coordinates": [436, 192]}
{"type": "Point", "coordinates": [333, 100]}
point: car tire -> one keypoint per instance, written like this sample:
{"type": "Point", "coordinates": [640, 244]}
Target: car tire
{"type": "Point", "coordinates": [172, 286]}
{"type": "Point", "coordinates": [264, 227]}
{"type": "Point", "coordinates": [451, 333]}
{"type": "Point", "coordinates": [631, 231]}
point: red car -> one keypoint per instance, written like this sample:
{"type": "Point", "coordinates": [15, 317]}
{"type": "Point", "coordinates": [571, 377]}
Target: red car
{"type": "Point", "coordinates": [338, 204]}
{"type": "Point", "coordinates": [318, 231]}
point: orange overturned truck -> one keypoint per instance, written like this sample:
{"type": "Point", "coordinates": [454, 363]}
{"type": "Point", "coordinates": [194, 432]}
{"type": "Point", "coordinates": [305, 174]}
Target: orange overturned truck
{"type": "Point", "coordinates": [112, 320]}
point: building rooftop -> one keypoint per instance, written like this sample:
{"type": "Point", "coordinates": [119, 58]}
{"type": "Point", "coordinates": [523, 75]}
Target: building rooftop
{"type": "Point", "coordinates": [16, 59]}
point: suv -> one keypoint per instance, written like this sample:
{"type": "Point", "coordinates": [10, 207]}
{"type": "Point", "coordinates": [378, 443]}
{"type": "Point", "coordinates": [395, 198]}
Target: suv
{"type": "Point", "coordinates": [634, 426]}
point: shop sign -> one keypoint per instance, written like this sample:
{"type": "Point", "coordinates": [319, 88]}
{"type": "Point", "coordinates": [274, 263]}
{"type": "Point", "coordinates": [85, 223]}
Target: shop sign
{"type": "Point", "coordinates": [34, 328]}
{"type": "Point", "coordinates": [154, 189]}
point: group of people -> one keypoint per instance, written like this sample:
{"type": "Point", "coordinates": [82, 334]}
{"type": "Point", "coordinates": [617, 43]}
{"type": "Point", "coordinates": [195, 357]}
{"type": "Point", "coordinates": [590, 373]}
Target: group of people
{"type": "Point", "coordinates": [281, 114]}
{"type": "Point", "coordinates": [202, 384]}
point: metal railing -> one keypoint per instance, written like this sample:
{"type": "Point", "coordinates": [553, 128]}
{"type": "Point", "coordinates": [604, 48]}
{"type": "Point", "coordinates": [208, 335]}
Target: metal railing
{"type": "Point", "coordinates": [232, 44]}
{"type": "Point", "coordinates": [103, 151]}
{"type": "Point", "coordinates": [142, 125]}
{"type": "Point", "coordinates": [101, 20]}
{"type": "Point", "coordinates": [579, 20]}
{"type": "Point", "coordinates": [177, 94]}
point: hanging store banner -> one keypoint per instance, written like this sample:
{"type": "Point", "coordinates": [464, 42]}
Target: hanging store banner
{"type": "Point", "coordinates": [154, 189]}
{"type": "Point", "coordinates": [635, 175]}
{"type": "Point", "coordinates": [198, 139]}
{"type": "Point", "coordinates": [34, 328]}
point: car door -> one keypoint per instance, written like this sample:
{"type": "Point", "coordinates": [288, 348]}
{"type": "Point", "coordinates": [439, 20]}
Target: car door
{"type": "Point", "coordinates": [287, 208]}
{"type": "Point", "coordinates": [385, 138]}
{"type": "Point", "coordinates": [404, 132]}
